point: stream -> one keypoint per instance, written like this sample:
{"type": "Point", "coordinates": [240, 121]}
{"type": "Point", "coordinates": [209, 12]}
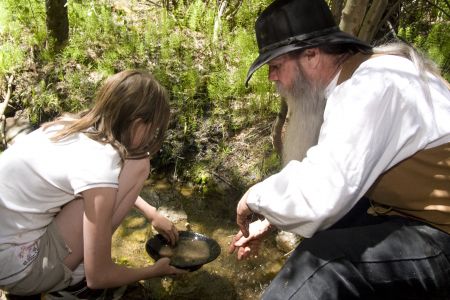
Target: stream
{"type": "Point", "coordinates": [211, 214]}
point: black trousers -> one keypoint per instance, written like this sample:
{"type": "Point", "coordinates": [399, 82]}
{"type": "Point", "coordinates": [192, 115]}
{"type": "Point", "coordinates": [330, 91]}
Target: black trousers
{"type": "Point", "coordinates": [367, 257]}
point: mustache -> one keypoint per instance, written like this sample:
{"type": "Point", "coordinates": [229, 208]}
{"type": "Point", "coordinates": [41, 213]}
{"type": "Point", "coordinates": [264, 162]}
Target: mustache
{"type": "Point", "coordinates": [300, 87]}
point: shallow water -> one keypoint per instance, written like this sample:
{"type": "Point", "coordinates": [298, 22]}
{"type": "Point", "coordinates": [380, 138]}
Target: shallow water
{"type": "Point", "coordinates": [186, 252]}
{"type": "Point", "coordinates": [212, 215]}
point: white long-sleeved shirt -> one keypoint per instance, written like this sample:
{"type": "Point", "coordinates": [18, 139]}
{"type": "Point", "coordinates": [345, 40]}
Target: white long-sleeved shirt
{"type": "Point", "coordinates": [377, 118]}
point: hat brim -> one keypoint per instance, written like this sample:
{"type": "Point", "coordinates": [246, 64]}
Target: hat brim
{"type": "Point", "coordinates": [339, 37]}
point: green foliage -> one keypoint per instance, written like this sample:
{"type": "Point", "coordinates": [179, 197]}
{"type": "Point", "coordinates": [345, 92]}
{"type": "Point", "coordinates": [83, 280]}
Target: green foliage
{"type": "Point", "coordinates": [44, 101]}
{"type": "Point", "coordinates": [203, 75]}
{"type": "Point", "coordinates": [201, 176]}
{"type": "Point", "coordinates": [270, 164]}
{"type": "Point", "coordinates": [198, 15]}
{"type": "Point", "coordinates": [425, 25]}
{"type": "Point", "coordinates": [249, 11]}
{"type": "Point", "coordinates": [436, 44]}
{"type": "Point", "coordinates": [202, 62]}
{"type": "Point", "coordinates": [23, 20]}
{"type": "Point", "coordinates": [11, 58]}
{"type": "Point", "coordinates": [196, 60]}
{"type": "Point", "coordinates": [16, 31]}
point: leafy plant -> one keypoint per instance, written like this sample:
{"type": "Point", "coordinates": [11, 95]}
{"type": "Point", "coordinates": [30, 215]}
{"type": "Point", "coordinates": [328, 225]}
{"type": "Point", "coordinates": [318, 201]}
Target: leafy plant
{"type": "Point", "coordinates": [11, 58]}
{"type": "Point", "coordinates": [200, 56]}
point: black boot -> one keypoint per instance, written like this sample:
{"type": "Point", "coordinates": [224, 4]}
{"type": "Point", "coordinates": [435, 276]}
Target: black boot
{"type": "Point", "coordinates": [17, 297]}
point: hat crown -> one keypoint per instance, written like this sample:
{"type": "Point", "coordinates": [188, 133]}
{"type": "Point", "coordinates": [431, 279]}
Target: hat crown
{"type": "Point", "coordinates": [290, 25]}
{"type": "Point", "coordinates": [283, 20]}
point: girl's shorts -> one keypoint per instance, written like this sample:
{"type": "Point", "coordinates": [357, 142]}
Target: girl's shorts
{"type": "Point", "coordinates": [48, 272]}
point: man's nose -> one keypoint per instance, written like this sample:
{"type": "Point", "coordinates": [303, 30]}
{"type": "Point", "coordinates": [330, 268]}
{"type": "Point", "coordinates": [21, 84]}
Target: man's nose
{"type": "Point", "coordinates": [273, 75]}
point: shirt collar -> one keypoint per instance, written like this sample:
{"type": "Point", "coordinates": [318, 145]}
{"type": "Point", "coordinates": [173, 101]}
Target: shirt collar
{"type": "Point", "coordinates": [332, 85]}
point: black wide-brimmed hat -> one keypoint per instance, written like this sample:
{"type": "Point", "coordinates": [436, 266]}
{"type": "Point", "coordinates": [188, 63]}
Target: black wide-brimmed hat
{"type": "Point", "coordinates": [288, 25]}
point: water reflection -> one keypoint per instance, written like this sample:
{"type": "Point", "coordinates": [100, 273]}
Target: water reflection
{"type": "Point", "coordinates": [212, 214]}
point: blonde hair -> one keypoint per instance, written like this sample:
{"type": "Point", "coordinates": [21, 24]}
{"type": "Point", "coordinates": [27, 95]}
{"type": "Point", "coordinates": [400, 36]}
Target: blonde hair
{"type": "Point", "coordinates": [124, 98]}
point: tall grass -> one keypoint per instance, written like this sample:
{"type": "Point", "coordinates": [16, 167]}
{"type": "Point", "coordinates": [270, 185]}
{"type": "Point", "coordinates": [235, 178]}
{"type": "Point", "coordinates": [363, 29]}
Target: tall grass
{"type": "Point", "coordinates": [202, 76]}
{"type": "Point", "coordinates": [203, 66]}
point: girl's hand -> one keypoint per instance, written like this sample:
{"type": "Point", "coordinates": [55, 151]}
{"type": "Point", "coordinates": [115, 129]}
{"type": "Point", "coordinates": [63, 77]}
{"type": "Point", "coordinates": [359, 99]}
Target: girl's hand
{"type": "Point", "coordinates": [163, 225]}
{"type": "Point", "coordinates": [162, 267]}
{"type": "Point", "coordinates": [166, 228]}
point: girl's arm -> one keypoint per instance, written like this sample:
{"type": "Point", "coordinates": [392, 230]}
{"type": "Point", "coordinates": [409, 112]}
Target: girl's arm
{"type": "Point", "coordinates": [163, 225]}
{"type": "Point", "coordinates": [101, 271]}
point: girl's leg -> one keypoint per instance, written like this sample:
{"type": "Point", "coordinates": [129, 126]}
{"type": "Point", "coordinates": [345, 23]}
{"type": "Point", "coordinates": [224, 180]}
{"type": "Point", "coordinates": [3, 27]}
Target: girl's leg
{"type": "Point", "coordinates": [70, 220]}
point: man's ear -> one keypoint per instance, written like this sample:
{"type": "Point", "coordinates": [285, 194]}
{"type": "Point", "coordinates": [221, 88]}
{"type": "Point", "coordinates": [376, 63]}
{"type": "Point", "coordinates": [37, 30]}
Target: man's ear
{"type": "Point", "coordinates": [312, 56]}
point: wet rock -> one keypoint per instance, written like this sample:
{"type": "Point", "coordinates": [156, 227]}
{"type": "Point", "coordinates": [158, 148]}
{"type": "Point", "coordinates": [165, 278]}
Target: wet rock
{"type": "Point", "coordinates": [151, 197]}
{"type": "Point", "coordinates": [188, 226]}
{"type": "Point", "coordinates": [167, 198]}
{"type": "Point", "coordinates": [287, 241]}
{"type": "Point", "coordinates": [174, 215]}
{"type": "Point", "coordinates": [15, 128]}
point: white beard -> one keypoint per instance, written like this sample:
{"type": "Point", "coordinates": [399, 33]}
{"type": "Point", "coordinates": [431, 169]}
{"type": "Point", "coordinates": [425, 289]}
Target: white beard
{"type": "Point", "coordinates": [304, 119]}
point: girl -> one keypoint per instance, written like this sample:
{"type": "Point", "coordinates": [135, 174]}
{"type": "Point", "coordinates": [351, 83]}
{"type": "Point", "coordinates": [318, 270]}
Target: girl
{"type": "Point", "coordinates": [67, 186]}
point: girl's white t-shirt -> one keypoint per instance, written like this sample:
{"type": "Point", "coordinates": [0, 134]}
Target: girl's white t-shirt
{"type": "Point", "coordinates": [39, 176]}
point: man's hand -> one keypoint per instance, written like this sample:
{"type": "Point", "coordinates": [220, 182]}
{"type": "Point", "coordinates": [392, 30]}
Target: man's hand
{"type": "Point", "coordinates": [246, 246]}
{"type": "Point", "coordinates": [243, 215]}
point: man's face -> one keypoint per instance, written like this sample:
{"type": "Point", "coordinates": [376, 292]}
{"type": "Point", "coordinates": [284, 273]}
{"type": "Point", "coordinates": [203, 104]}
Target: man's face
{"type": "Point", "coordinates": [291, 78]}
{"type": "Point", "coordinates": [306, 104]}
{"type": "Point", "coordinates": [282, 71]}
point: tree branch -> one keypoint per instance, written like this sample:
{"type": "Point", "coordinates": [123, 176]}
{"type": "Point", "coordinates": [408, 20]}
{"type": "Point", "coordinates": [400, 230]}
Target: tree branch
{"type": "Point", "coordinates": [4, 104]}
{"type": "Point", "coordinates": [388, 14]}
{"type": "Point", "coordinates": [217, 21]}
{"type": "Point", "coordinates": [438, 7]}
{"type": "Point", "coordinates": [3, 107]}
{"type": "Point", "coordinates": [336, 10]}
{"type": "Point", "coordinates": [233, 12]}
{"type": "Point", "coordinates": [154, 3]}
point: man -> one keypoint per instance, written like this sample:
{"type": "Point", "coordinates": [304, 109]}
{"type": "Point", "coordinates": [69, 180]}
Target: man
{"type": "Point", "coordinates": [369, 183]}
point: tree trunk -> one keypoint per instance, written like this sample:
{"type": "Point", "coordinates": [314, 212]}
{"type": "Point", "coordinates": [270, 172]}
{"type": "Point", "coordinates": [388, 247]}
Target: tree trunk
{"type": "Point", "coordinates": [371, 21]}
{"type": "Point", "coordinates": [57, 20]}
{"type": "Point", "coordinates": [353, 16]}
{"type": "Point", "coordinates": [217, 21]}
{"type": "Point", "coordinates": [278, 126]}
{"type": "Point", "coordinates": [336, 9]}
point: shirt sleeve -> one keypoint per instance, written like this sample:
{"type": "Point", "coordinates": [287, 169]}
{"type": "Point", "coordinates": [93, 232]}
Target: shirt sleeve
{"type": "Point", "coordinates": [97, 166]}
{"type": "Point", "coordinates": [368, 127]}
